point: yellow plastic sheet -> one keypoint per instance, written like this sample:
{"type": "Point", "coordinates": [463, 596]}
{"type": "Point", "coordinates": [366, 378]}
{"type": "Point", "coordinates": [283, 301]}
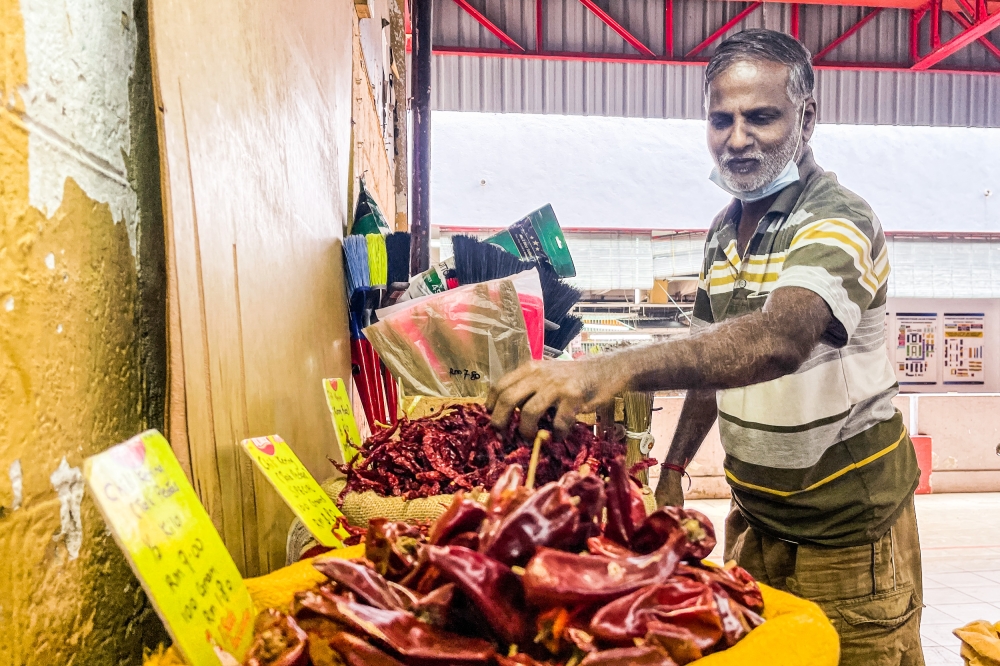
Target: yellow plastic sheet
{"type": "Point", "coordinates": [796, 632]}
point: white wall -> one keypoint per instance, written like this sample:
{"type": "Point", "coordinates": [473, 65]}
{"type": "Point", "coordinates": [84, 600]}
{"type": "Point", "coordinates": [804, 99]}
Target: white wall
{"type": "Point", "coordinates": [629, 173]}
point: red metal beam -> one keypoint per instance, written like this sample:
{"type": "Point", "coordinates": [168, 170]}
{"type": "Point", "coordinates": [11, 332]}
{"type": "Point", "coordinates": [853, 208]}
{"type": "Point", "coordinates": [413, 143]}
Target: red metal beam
{"type": "Point", "coordinates": [935, 24]}
{"type": "Point", "coordinates": [958, 42]}
{"type": "Point", "coordinates": [725, 28]}
{"type": "Point", "coordinates": [619, 28]}
{"type": "Point", "coordinates": [668, 28]}
{"type": "Point", "coordinates": [794, 21]}
{"type": "Point", "coordinates": [846, 34]}
{"type": "Point", "coordinates": [626, 58]}
{"type": "Point", "coordinates": [984, 40]}
{"type": "Point", "coordinates": [489, 25]}
{"type": "Point", "coordinates": [539, 26]}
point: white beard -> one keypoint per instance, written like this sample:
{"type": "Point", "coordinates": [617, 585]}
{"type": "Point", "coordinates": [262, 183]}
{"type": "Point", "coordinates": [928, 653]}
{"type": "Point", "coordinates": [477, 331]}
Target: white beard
{"type": "Point", "coordinates": [771, 166]}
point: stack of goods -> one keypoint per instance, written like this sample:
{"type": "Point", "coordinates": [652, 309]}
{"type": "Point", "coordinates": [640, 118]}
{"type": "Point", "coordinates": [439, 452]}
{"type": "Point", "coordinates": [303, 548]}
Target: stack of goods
{"type": "Point", "coordinates": [375, 261]}
{"type": "Point", "coordinates": [536, 576]}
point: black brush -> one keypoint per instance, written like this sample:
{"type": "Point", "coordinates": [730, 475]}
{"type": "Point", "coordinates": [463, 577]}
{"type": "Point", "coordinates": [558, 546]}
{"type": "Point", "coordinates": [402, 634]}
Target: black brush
{"type": "Point", "coordinates": [559, 296]}
{"type": "Point", "coordinates": [397, 250]}
{"type": "Point", "coordinates": [477, 261]}
{"type": "Point", "coordinates": [569, 327]}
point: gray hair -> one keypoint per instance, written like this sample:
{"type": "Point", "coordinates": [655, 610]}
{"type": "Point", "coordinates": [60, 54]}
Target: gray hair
{"type": "Point", "coordinates": [770, 45]}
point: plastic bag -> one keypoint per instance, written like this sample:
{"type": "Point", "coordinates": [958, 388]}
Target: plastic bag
{"type": "Point", "coordinates": [456, 344]}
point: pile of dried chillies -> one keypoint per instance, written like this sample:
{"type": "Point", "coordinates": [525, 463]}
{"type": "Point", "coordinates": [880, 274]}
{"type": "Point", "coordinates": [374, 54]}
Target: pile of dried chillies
{"type": "Point", "coordinates": [533, 577]}
{"type": "Point", "coordinates": [457, 449]}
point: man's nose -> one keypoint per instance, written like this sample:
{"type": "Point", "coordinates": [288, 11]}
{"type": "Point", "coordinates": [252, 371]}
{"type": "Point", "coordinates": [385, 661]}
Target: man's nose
{"type": "Point", "coordinates": [739, 139]}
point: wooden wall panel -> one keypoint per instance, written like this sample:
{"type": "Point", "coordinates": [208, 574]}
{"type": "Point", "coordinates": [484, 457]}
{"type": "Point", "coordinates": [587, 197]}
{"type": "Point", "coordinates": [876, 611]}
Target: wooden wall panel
{"type": "Point", "coordinates": [370, 158]}
{"type": "Point", "coordinates": [254, 117]}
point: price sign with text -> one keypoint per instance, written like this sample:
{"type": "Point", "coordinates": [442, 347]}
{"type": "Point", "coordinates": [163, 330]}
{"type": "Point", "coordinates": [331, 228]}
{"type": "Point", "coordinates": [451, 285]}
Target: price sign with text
{"type": "Point", "coordinates": [173, 547]}
{"type": "Point", "coordinates": [344, 424]}
{"type": "Point", "coordinates": [275, 459]}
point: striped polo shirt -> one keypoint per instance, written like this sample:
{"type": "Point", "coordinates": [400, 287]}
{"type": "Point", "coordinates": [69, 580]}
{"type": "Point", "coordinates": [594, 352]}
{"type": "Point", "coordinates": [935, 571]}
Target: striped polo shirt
{"type": "Point", "coordinates": [820, 455]}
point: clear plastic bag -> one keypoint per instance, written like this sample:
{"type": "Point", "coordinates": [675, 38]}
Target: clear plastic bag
{"type": "Point", "coordinates": [458, 343]}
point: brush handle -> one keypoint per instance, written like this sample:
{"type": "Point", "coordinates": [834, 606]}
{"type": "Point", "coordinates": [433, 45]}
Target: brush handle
{"type": "Point", "coordinates": [359, 361]}
{"type": "Point", "coordinates": [391, 394]}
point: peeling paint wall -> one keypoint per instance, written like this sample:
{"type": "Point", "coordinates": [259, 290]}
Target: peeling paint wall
{"type": "Point", "coordinates": [81, 327]}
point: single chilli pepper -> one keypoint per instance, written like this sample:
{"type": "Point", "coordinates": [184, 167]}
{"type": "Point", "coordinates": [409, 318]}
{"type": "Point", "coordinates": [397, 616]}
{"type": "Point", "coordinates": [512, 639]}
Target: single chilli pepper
{"type": "Point", "coordinates": [362, 581]}
{"type": "Point", "coordinates": [468, 540]}
{"type": "Point", "coordinates": [391, 547]}
{"type": "Point", "coordinates": [491, 586]}
{"type": "Point", "coordinates": [687, 603]}
{"type": "Point", "coordinates": [462, 515]}
{"type": "Point", "coordinates": [403, 634]}
{"type": "Point", "coordinates": [357, 651]}
{"type": "Point", "coordinates": [590, 490]}
{"type": "Point", "coordinates": [737, 583]}
{"type": "Point", "coordinates": [278, 641]}
{"type": "Point", "coordinates": [680, 644]}
{"type": "Point", "coordinates": [548, 518]}
{"type": "Point", "coordinates": [734, 625]}
{"type": "Point", "coordinates": [434, 608]}
{"type": "Point", "coordinates": [555, 578]}
{"type": "Point", "coordinates": [600, 545]}
{"type": "Point", "coordinates": [626, 510]}
{"type": "Point", "coordinates": [659, 525]}
{"type": "Point", "coordinates": [645, 655]}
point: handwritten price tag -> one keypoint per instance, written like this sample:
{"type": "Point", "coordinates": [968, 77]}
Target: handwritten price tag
{"type": "Point", "coordinates": [344, 424]}
{"type": "Point", "coordinates": [275, 459]}
{"type": "Point", "coordinates": [173, 547]}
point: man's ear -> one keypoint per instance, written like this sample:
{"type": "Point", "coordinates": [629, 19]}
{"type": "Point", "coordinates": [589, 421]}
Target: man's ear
{"type": "Point", "coordinates": [809, 119]}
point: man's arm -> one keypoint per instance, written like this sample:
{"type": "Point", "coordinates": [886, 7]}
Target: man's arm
{"type": "Point", "coordinates": [754, 348]}
{"type": "Point", "coordinates": [697, 416]}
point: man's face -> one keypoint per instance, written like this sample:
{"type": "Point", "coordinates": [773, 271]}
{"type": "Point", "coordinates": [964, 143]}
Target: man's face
{"type": "Point", "coordinates": [753, 126]}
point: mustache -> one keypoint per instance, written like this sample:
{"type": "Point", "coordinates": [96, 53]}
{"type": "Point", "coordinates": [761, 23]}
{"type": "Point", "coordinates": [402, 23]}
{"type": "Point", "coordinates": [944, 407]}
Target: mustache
{"type": "Point", "coordinates": [727, 157]}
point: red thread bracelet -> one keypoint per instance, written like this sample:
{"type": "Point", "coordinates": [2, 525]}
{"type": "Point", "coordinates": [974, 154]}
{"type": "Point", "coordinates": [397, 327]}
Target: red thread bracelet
{"type": "Point", "coordinates": [677, 468]}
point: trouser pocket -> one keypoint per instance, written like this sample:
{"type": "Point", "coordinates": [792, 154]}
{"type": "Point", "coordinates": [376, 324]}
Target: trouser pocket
{"type": "Point", "coordinates": [878, 630]}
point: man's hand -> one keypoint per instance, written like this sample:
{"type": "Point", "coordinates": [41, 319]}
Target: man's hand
{"type": "Point", "coordinates": [668, 489]}
{"type": "Point", "coordinates": [572, 387]}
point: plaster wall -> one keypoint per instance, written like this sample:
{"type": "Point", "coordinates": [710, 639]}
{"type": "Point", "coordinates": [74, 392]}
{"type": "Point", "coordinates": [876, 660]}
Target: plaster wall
{"type": "Point", "coordinates": [78, 206]}
{"type": "Point", "coordinates": [634, 173]}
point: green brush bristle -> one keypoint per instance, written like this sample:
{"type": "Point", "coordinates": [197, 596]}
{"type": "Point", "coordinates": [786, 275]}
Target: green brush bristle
{"type": "Point", "coordinates": [377, 265]}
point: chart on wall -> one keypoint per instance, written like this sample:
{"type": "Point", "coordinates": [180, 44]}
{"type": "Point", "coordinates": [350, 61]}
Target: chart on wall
{"type": "Point", "coordinates": [916, 349]}
{"type": "Point", "coordinates": [963, 348]}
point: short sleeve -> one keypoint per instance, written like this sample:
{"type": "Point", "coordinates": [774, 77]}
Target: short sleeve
{"type": "Point", "coordinates": [833, 258]}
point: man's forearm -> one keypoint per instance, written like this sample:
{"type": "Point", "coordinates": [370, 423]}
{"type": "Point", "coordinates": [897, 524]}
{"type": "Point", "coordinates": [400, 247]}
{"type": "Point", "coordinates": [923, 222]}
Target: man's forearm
{"type": "Point", "coordinates": [697, 417]}
{"type": "Point", "coordinates": [754, 348]}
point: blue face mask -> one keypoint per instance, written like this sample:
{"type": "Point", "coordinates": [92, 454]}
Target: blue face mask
{"type": "Point", "coordinates": [788, 175]}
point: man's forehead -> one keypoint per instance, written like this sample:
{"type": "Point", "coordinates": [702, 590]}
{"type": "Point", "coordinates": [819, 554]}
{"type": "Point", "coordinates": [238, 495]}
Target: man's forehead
{"type": "Point", "coordinates": [751, 78]}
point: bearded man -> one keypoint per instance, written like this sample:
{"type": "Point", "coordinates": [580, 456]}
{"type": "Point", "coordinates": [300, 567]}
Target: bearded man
{"type": "Point", "coordinates": [788, 352]}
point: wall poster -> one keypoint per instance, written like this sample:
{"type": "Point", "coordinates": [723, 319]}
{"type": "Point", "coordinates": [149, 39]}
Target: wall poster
{"type": "Point", "coordinates": [916, 349]}
{"type": "Point", "coordinates": [963, 348]}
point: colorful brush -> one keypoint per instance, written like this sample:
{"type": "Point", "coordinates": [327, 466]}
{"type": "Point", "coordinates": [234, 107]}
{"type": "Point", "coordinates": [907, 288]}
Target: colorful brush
{"type": "Point", "coordinates": [359, 289]}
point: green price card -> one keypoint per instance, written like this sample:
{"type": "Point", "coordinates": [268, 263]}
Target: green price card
{"type": "Point", "coordinates": [344, 425]}
{"type": "Point", "coordinates": [173, 547]}
{"type": "Point", "coordinates": [276, 461]}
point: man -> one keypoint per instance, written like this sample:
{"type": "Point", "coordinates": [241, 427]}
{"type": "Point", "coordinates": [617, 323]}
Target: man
{"type": "Point", "coordinates": [788, 352]}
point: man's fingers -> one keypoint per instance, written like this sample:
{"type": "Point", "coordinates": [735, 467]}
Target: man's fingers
{"type": "Point", "coordinates": [565, 417]}
{"type": "Point", "coordinates": [533, 410]}
{"type": "Point", "coordinates": [508, 401]}
{"type": "Point", "coordinates": [505, 382]}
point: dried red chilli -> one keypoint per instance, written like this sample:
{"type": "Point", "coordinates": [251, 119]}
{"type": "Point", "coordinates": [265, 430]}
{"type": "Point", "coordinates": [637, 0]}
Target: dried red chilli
{"type": "Point", "coordinates": [458, 449]}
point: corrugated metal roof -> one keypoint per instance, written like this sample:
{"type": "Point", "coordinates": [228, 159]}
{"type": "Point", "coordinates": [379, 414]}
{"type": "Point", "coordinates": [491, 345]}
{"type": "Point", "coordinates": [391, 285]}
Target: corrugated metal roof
{"type": "Point", "coordinates": [652, 90]}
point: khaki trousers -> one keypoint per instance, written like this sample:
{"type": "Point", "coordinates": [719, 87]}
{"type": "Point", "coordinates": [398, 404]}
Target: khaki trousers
{"type": "Point", "coordinates": [872, 594]}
